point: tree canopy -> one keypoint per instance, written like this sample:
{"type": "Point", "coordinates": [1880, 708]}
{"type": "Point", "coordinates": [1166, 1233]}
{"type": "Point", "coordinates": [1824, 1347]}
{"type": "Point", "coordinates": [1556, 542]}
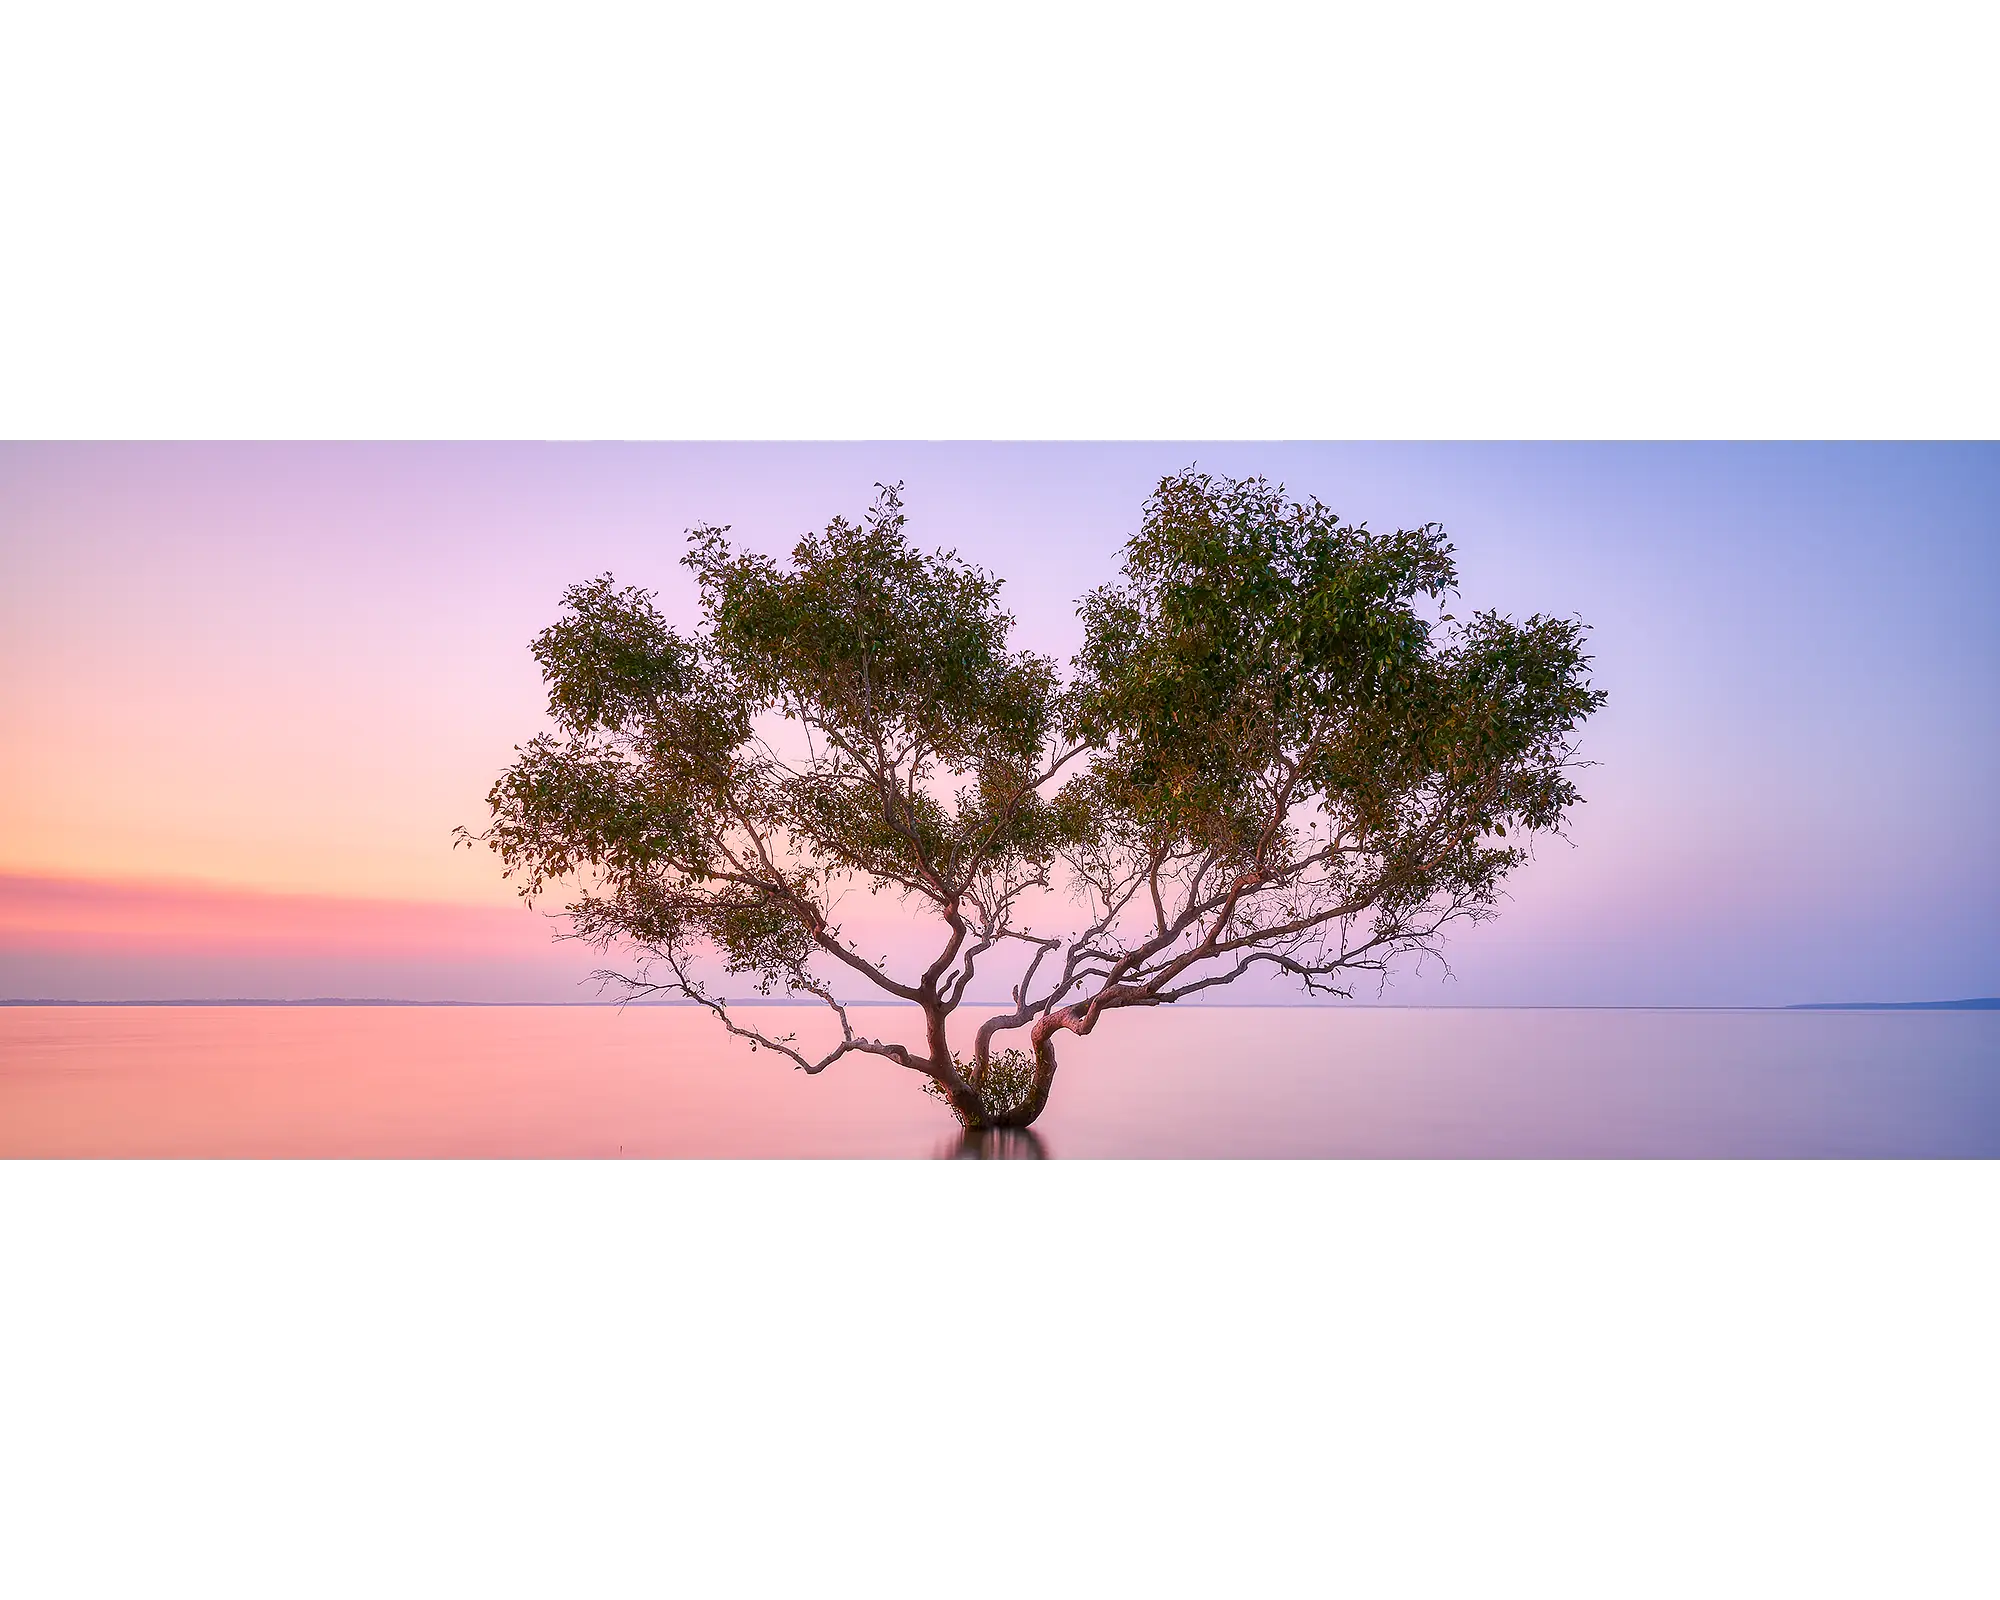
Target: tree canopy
{"type": "Point", "coordinates": [1274, 750]}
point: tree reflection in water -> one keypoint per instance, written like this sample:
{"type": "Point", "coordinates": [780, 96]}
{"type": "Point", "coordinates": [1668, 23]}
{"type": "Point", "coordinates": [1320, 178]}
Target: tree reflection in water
{"type": "Point", "coordinates": [994, 1144]}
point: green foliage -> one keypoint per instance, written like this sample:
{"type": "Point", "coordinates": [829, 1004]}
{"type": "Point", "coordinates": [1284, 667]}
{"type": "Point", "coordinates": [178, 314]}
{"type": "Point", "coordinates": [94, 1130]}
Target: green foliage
{"type": "Point", "coordinates": [1261, 654]}
{"type": "Point", "coordinates": [867, 635]}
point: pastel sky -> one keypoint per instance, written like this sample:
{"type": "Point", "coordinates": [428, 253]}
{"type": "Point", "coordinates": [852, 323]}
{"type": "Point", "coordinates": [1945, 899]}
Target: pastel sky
{"type": "Point", "coordinates": [247, 691]}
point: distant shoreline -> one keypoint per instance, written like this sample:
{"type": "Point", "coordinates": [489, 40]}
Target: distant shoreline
{"type": "Point", "coordinates": [1988, 1004]}
{"type": "Point", "coordinates": [1983, 1004]}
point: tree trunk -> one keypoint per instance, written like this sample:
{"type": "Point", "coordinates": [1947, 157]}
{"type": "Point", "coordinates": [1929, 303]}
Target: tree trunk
{"type": "Point", "coordinates": [968, 1108]}
{"type": "Point", "coordinates": [961, 1090]}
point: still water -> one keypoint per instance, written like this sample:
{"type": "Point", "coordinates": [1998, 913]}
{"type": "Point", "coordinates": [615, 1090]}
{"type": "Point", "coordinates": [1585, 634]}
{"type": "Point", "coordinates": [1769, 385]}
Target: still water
{"type": "Point", "coordinates": [1213, 1081]}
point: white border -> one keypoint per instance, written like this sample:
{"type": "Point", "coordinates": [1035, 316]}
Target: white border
{"type": "Point", "coordinates": [1409, 1378]}
{"type": "Point", "coordinates": [1074, 220]}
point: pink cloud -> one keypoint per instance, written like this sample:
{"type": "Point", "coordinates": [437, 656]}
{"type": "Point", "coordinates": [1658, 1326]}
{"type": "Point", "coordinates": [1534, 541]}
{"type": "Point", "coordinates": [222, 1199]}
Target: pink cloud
{"type": "Point", "coordinates": [85, 915]}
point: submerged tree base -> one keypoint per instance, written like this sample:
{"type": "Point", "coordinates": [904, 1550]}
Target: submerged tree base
{"type": "Point", "coordinates": [1006, 1090]}
{"type": "Point", "coordinates": [994, 1144]}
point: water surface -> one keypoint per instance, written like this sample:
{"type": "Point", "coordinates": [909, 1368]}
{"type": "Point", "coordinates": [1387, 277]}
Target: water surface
{"type": "Point", "coordinates": [1212, 1081]}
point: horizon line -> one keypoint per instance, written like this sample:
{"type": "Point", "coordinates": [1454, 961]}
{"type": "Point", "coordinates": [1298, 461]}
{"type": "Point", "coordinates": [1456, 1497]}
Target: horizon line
{"type": "Point", "coordinates": [1980, 1003]}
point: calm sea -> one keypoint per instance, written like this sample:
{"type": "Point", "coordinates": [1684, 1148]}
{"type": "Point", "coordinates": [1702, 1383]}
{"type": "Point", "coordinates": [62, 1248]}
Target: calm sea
{"type": "Point", "coordinates": [659, 1081]}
